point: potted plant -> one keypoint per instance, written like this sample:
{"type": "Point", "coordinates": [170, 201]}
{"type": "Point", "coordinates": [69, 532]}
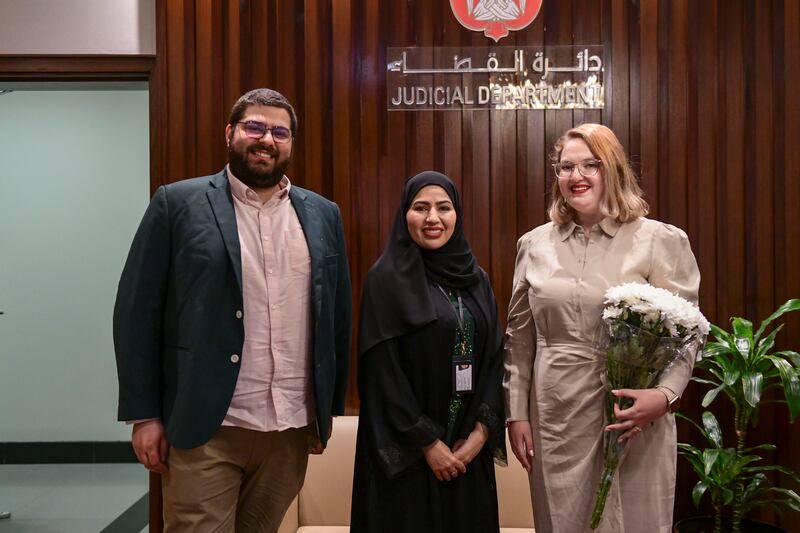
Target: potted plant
{"type": "Point", "coordinates": [742, 365]}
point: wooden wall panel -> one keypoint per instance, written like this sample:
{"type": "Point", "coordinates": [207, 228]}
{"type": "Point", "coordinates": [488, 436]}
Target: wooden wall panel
{"type": "Point", "coordinates": [788, 191]}
{"type": "Point", "coordinates": [702, 94]}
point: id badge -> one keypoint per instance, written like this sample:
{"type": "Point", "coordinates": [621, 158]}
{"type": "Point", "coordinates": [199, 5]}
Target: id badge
{"type": "Point", "coordinates": [463, 376]}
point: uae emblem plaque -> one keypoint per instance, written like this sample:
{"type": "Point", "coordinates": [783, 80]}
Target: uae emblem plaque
{"type": "Point", "coordinates": [495, 18]}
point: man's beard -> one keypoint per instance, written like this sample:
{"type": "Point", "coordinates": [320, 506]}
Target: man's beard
{"type": "Point", "coordinates": [252, 177]}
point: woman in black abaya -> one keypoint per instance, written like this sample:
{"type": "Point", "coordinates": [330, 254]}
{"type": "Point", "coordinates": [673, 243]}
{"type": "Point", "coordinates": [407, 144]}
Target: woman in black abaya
{"type": "Point", "coordinates": [430, 377]}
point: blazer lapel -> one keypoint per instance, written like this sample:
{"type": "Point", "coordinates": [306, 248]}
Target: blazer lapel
{"type": "Point", "coordinates": [312, 228]}
{"type": "Point", "coordinates": [219, 196]}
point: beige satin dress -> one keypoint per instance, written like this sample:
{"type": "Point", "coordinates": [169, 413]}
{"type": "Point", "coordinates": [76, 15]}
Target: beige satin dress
{"type": "Point", "coordinates": [553, 371]}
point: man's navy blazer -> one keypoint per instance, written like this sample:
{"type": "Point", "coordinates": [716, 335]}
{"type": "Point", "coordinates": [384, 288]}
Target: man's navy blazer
{"type": "Point", "coordinates": [178, 314]}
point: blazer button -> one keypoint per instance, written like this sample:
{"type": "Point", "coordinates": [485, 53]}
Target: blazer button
{"type": "Point", "coordinates": [239, 314]}
{"type": "Point", "coordinates": [234, 358]}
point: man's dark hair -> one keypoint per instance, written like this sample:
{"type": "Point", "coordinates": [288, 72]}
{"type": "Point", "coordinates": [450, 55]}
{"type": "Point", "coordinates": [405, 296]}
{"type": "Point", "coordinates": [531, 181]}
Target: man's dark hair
{"type": "Point", "coordinates": [267, 97]}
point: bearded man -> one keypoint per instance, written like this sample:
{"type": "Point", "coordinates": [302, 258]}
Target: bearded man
{"type": "Point", "coordinates": [232, 330]}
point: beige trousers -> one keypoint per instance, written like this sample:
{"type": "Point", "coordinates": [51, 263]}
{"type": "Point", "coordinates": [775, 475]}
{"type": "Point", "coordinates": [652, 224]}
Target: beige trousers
{"type": "Point", "coordinates": [240, 481]}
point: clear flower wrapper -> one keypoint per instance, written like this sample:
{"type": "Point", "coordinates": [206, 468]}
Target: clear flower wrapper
{"type": "Point", "coordinates": [645, 330]}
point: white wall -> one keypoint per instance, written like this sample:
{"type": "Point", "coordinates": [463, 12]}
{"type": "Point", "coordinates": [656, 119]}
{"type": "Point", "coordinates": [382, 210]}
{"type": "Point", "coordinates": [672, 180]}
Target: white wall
{"type": "Point", "coordinates": [77, 27]}
{"type": "Point", "coordinates": [74, 183]}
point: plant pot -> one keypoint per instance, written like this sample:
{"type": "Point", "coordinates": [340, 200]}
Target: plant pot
{"type": "Point", "coordinates": [705, 524]}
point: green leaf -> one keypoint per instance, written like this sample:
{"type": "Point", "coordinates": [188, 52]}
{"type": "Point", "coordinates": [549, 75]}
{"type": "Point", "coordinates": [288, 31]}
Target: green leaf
{"type": "Point", "coordinates": [766, 344]}
{"type": "Point", "coordinates": [752, 382]}
{"type": "Point", "coordinates": [793, 499]}
{"type": "Point", "coordinates": [712, 430]}
{"type": "Point", "coordinates": [709, 458]}
{"type": "Point", "coordinates": [688, 449]}
{"type": "Point", "coordinates": [768, 447]}
{"type": "Point", "coordinates": [710, 395]}
{"type": "Point", "coordinates": [704, 381]}
{"type": "Point", "coordinates": [722, 336]}
{"type": "Point", "coordinates": [713, 349]}
{"type": "Point", "coordinates": [716, 372]}
{"type": "Point", "coordinates": [791, 384]}
{"type": "Point", "coordinates": [752, 487]}
{"type": "Point", "coordinates": [727, 496]}
{"type": "Point", "coordinates": [698, 491]}
{"type": "Point", "coordinates": [742, 328]}
{"type": "Point", "coordinates": [770, 468]}
{"type": "Point", "coordinates": [731, 377]}
{"type": "Point", "coordinates": [791, 355]}
{"type": "Point", "coordinates": [681, 416]}
{"type": "Point", "coordinates": [790, 305]}
{"type": "Point", "coordinates": [743, 461]}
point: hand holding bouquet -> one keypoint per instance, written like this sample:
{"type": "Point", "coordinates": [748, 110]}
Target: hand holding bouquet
{"type": "Point", "coordinates": [648, 329]}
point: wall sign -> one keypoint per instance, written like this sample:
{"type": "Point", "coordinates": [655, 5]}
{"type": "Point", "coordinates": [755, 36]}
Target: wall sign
{"type": "Point", "coordinates": [555, 77]}
{"type": "Point", "coordinates": [495, 17]}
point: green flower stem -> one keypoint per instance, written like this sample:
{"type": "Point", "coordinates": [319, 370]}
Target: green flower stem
{"type": "Point", "coordinates": [602, 493]}
{"type": "Point", "coordinates": [634, 360]}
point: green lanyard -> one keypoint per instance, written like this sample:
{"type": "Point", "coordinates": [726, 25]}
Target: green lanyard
{"type": "Point", "coordinates": [462, 330]}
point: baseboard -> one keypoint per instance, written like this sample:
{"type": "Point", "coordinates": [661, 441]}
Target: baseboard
{"type": "Point", "coordinates": [66, 452]}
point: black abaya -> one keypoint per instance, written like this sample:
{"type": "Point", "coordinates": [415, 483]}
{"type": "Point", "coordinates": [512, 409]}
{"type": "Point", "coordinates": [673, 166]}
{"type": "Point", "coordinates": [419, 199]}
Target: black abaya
{"type": "Point", "coordinates": [405, 384]}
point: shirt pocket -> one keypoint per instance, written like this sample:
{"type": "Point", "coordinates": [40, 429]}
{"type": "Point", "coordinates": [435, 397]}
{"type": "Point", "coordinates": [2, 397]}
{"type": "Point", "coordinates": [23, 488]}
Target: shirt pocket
{"type": "Point", "coordinates": [299, 258]}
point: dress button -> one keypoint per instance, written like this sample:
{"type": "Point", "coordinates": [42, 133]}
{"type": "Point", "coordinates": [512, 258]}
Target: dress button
{"type": "Point", "coordinates": [239, 314]}
{"type": "Point", "coordinates": [234, 358]}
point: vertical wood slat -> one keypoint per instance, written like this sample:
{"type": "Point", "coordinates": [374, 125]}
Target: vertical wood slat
{"type": "Point", "coordinates": [703, 172]}
{"type": "Point", "coordinates": [262, 45]}
{"type": "Point", "coordinates": [209, 110]}
{"type": "Point", "coordinates": [177, 89]}
{"type": "Point", "coordinates": [788, 283]}
{"type": "Point", "coordinates": [620, 96]}
{"type": "Point", "coordinates": [232, 69]}
{"type": "Point", "coordinates": [674, 179]}
{"type": "Point", "coordinates": [533, 173]}
{"type": "Point", "coordinates": [760, 211]}
{"type": "Point", "coordinates": [159, 104]}
{"type": "Point", "coordinates": [761, 154]}
{"type": "Point", "coordinates": [649, 84]}
{"type": "Point", "coordinates": [316, 71]}
{"type": "Point", "coordinates": [395, 17]}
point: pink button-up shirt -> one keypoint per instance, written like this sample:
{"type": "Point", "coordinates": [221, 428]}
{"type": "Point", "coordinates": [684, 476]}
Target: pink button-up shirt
{"type": "Point", "coordinates": [274, 389]}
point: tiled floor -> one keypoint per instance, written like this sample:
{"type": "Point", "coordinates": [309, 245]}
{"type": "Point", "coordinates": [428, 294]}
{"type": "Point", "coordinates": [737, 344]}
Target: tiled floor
{"type": "Point", "coordinates": [75, 498]}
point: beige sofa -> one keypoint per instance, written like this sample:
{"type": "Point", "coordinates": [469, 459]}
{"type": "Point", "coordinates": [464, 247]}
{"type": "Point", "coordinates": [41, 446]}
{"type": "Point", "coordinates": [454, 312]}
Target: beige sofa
{"type": "Point", "coordinates": [323, 505]}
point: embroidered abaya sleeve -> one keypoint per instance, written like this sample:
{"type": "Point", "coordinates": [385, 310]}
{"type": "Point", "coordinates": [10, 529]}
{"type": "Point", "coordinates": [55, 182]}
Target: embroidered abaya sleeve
{"type": "Point", "coordinates": [389, 407]}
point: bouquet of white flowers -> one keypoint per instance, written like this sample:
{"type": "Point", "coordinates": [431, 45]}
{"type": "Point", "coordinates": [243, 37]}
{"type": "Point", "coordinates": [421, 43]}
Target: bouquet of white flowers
{"type": "Point", "coordinates": [648, 328]}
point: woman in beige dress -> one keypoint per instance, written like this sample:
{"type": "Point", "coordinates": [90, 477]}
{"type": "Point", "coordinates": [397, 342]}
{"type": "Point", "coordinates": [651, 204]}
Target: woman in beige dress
{"type": "Point", "coordinates": [597, 238]}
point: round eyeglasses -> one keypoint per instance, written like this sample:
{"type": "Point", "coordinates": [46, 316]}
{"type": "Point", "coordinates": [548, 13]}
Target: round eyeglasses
{"type": "Point", "coordinates": [257, 130]}
{"type": "Point", "coordinates": [586, 168]}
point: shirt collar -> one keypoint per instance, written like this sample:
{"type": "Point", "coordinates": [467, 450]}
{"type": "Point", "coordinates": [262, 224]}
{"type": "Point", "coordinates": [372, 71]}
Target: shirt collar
{"type": "Point", "coordinates": [608, 225]}
{"type": "Point", "coordinates": [246, 195]}
{"type": "Point", "coordinates": [566, 230]}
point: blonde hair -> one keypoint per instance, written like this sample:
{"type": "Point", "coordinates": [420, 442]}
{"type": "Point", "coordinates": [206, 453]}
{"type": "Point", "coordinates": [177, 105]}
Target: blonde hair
{"type": "Point", "coordinates": [623, 198]}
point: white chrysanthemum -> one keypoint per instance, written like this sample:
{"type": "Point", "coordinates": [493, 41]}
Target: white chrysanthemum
{"type": "Point", "coordinates": [656, 305]}
{"type": "Point", "coordinates": [612, 312]}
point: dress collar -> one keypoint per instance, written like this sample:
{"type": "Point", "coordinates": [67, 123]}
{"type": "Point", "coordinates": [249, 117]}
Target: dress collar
{"type": "Point", "coordinates": [608, 225]}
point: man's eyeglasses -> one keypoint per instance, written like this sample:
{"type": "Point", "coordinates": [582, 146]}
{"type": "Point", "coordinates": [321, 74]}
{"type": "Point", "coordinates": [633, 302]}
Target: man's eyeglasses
{"type": "Point", "coordinates": [256, 130]}
{"type": "Point", "coordinates": [587, 168]}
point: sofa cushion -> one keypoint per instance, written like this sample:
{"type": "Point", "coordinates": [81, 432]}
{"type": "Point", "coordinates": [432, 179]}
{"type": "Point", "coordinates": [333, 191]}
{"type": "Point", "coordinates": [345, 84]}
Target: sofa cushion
{"type": "Point", "coordinates": [325, 497]}
{"type": "Point", "coordinates": [323, 505]}
{"type": "Point", "coordinates": [513, 494]}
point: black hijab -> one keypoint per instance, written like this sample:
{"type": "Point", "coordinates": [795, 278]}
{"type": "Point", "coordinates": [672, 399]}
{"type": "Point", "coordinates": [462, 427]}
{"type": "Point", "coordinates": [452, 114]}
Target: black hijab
{"type": "Point", "coordinates": [396, 295]}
